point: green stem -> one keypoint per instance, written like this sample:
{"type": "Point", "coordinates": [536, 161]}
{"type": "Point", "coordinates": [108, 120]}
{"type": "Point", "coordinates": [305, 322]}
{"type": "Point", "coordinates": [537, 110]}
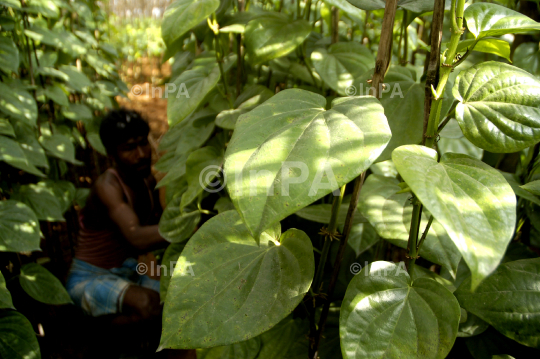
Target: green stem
{"type": "Point", "coordinates": [332, 226]}
{"type": "Point", "coordinates": [413, 234]}
{"type": "Point", "coordinates": [445, 70]}
{"type": "Point", "coordinates": [424, 235]}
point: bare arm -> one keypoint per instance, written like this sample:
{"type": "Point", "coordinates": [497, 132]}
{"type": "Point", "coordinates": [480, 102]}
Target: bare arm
{"type": "Point", "coordinates": [110, 193]}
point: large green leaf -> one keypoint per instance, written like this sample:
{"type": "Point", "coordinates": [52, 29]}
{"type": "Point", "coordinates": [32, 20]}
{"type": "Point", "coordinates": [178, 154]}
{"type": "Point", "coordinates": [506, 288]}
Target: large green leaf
{"type": "Point", "coordinates": [42, 200]}
{"type": "Point", "coordinates": [9, 55]}
{"type": "Point", "coordinates": [191, 88]}
{"type": "Point", "coordinates": [527, 57]}
{"type": "Point", "coordinates": [513, 181]}
{"type": "Point", "coordinates": [352, 12]}
{"type": "Point", "coordinates": [202, 168]}
{"type": "Point", "coordinates": [18, 103]}
{"type": "Point", "coordinates": [383, 315]}
{"type": "Point", "coordinates": [342, 64]}
{"type": "Point", "coordinates": [61, 39]}
{"type": "Point", "coordinates": [17, 337]}
{"type": "Point", "coordinates": [19, 227]}
{"type": "Point", "coordinates": [12, 153]}
{"type": "Point", "coordinates": [6, 128]}
{"type": "Point", "coordinates": [177, 225]}
{"type": "Point", "coordinates": [289, 152]}
{"type": "Point", "coordinates": [189, 134]}
{"type": "Point", "coordinates": [487, 45]}
{"type": "Point", "coordinates": [42, 285]}
{"type": "Point", "coordinates": [321, 213]}
{"type": "Point", "coordinates": [240, 287]}
{"type": "Point", "coordinates": [273, 35]}
{"type": "Point", "coordinates": [170, 257]}
{"type": "Point", "coordinates": [499, 107]}
{"type": "Point", "coordinates": [416, 6]}
{"type": "Point", "coordinates": [533, 187]}
{"type": "Point", "coordinates": [76, 79]}
{"type": "Point", "coordinates": [391, 212]}
{"type": "Point", "coordinates": [182, 15]}
{"type": "Point", "coordinates": [484, 19]}
{"type": "Point", "coordinates": [26, 136]}
{"type": "Point", "coordinates": [251, 97]}
{"type": "Point", "coordinates": [58, 145]}
{"type": "Point", "coordinates": [64, 191]}
{"type": "Point", "coordinates": [509, 300]}
{"type": "Point", "coordinates": [77, 112]}
{"type": "Point", "coordinates": [5, 295]}
{"type": "Point", "coordinates": [248, 349]}
{"type": "Point", "coordinates": [452, 140]}
{"type": "Point", "coordinates": [471, 200]}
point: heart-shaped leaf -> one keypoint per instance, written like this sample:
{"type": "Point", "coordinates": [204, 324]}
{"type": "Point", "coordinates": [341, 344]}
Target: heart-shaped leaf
{"type": "Point", "coordinates": [12, 153]}
{"type": "Point", "coordinates": [19, 227]}
{"type": "Point", "coordinates": [58, 145]}
{"type": "Point", "coordinates": [342, 64]}
{"type": "Point", "coordinates": [527, 57]}
{"type": "Point", "coordinates": [484, 19]}
{"type": "Point", "coordinates": [5, 295]}
{"type": "Point", "coordinates": [499, 107]}
{"type": "Point", "coordinates": [472, 326]}
{"type": "Point", "coordinates": [9, 55]}
{"type": "Point", "coordinates": [273, 35]}
{"type": "Point", "coordinates": [26, 137]}
{"type": "Point", "coordinates": [240, 288]}
{"type": "Point", "coordinates": [351, 11]}
{"type": "Point", "coordinates": [18, 103]}
{"type": "Point", "coordinates": [42, 200]}
{"type": "Point", "coordinates": [61, 39]}
{"type": "Point", "coordinates": [182, 15]}
{"type": "Point", "coordinates": [77, 112]}
{"type": "Point", "coordinates": [250, 98]}
{"type": "Point", "coordinates": [17, 337]}
{"type": "Point", "coordinates": [509, 300]}
{"type": "Point", "coordinates": [76, 79]}
{"type": "Point", "coordinates": [190, 133]}
{"type": "Point", "coordinates": [383, 315]}
{"type": "Point", "coordinates": [471, 200]}
{"type": "Point", "coordinates": [176, 225]}
{"type": "Point", "coordinates": [42, 285]}
{"type": "Point", "coordinates": [391, 212]}
{"type": "Point", "coordinates": [291, 139]}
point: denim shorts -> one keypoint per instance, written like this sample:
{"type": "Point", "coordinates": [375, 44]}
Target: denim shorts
{"type": "Point", "coordinates": [100, 291]}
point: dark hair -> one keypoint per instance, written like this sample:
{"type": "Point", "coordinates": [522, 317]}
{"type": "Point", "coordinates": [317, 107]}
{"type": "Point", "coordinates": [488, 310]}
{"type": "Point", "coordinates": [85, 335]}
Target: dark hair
{"type": "Point", "coordinates": [118, 126]}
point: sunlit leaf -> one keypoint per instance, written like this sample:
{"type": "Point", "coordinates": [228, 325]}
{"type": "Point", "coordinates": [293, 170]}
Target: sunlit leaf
{"type": "Point", "coordinates": [17, 337]}
{"type": "Point", "coordinates": [19, 227]}
{"type": "Point", "coordinates": [42, 285]}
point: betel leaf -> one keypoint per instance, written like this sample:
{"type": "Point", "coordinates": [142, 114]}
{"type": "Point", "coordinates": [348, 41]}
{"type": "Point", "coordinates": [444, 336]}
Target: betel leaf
{"type": "Point", "coordinates": [416, 6]}
{"type": "Point", "coordinates": [190, 133]}
{"type": "Point", "coordinates": [76, 79]}
{"type": "Point", "coordinates": [470, 199]}
{"type": "Point", "coordinates": [6, 128]}
{"type": "Point", "coordinates": [273, 35]}
{"type": "Point", "coordinates": [9, 55]}
{"type": "Point", "coordinates": [182, 15]}
{"type": "Point", "coordinates": [77, 112]}
{"type": "Point", "coordinates": [42, 200]}
{"type": "Point", "coordinates": [383, 315]}
{"type": "Point", "coordinates": [26, 137]}
{"type": "Point", "coordinates": [190, 89]}
{"type": "Point", "coordinates": [64, 191]}
{"type": "Point", "coordinates": [342, 64]}
{"type": "Point", "coordinates": [17, 337]}
{"type": "Point", "coordinates": [321, 213]}
{"type": "Point", "coordinates": [509, 300]}
{"type": "Point", "coordinates": [252, 96]}
{"type": "Point", "coordinates": [487, 45]}
{"type": "Point", "coordinates": [61, 39]}
{"type": "Point", "coordinates": [240, 287]}
{"type": "Point", "coordinates": [58, 145]}
{"type": "Point", "coordinates": [499, 107]}
{"type": "Point", "coordinates": [527, 57]}
{"type": "Point", "coordinates": [484, 19]}
{"type": "Point", "coordinates": [56, 93]}
{"type": "Point", "coordinates": [12, 153]}
{"type": "Point", "coordinates": [177, 225]}
{"type": "Point", "coordinates": [18, 103]}
{"type": "Point", "coordinates": [42, 285]}
{"type": "Point", "coordinates": [248, 349]}
{"type": "Point", "coordinates": [390, 213]}
{"type": "Point", "coordinates": [351, 11]}
{"type": "Point", "coordinates": [5, 295]}
{"type": "Point", "coordinates": [533, 187]}
{"type": "Point", "coordinates": [472, 326]}
{"type": "Point", "coordinates": [223, 204]}
{"type": "Point", "coordinates": [177, 171]}
{"type": "Point", "coordinates": [290, 151]}
{"type": "Point", "coordinates": [203, 173]}
{"type": "Point", "coordinates": [513, 181]}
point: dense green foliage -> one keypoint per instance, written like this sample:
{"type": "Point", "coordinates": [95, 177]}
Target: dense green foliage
{"type": "Point", "coordinates": [58, 77]}
{"type": "Point", "coordinates": [278, 119]}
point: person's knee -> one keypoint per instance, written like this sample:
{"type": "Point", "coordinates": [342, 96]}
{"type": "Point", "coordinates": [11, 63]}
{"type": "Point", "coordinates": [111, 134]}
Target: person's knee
{"type": "Point", "coordinates": [144, 302]}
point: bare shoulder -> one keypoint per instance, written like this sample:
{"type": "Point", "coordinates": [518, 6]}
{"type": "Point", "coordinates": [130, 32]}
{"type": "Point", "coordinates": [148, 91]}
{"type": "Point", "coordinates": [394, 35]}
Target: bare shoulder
{"type": "Point", "coordinates": [108, 188]}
